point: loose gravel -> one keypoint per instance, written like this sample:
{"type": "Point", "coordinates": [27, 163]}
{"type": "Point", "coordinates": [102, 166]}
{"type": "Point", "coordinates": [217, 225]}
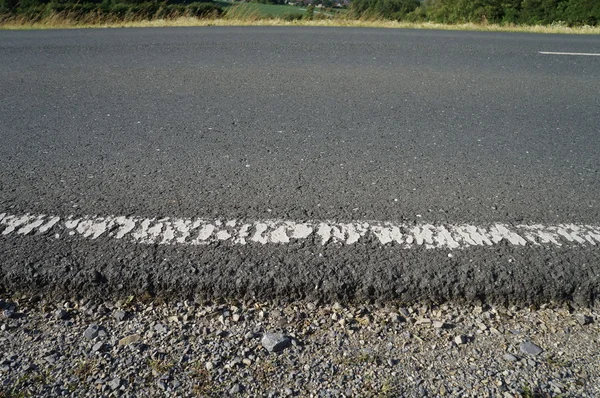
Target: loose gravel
{"type": "Point", "coordinates": [145, 347]}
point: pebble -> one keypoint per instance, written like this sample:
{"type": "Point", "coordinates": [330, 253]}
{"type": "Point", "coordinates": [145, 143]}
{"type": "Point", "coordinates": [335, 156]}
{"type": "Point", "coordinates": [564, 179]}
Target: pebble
{"type": "Point", "coordinates": [510, 357]}
{"type": "Point", "coordinates": [133, 338]}
{"type": "Point", "coordinates": [160, 328]}
{"type": "Point", "coordinates": [119, 315]}
{"type": "Point", "coordinates": [61, 314]}
{"type": "Point", "coordinates": [9, 312]}
{"type": "Point", "coordinates": [198, 358]}
{"type": "Point", "coordinates": [97, 347]}
{"type": "Point", "coordinates": [439, 324]}
{"type": "Point", "coordinates": [460, 339]}
{"type": "Point", "coordinates": [527, 347]}
{"type": "Point", "coordinates": [91, 332]}
{"type": "Point", "coordinates": [275, 342]}
{"type": "Point", "coordinates": [114, 383]}
{"type": "Point", "coordinates": [583, 319]}
{"type": "Point", "coordinates": [52, 358]}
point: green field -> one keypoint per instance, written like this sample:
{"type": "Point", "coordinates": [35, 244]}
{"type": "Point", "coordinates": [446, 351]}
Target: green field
{"type": "Point", "coordinates": [244, 10]}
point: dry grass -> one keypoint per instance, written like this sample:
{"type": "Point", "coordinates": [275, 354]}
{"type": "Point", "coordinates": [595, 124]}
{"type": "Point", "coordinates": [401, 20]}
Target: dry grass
{"type": "Point", "coordinates": [64, 22]}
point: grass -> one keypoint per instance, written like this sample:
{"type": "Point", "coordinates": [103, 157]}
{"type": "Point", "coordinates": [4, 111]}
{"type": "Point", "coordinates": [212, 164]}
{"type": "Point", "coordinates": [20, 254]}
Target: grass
{"type": "Point", "coordinates": [17, 390]}
{"type": "Point", "coordinates": [254, 19]}
{"type": "Point", "coordinates": [360, 358]}
{"type": "Point", "coordinates": [85, 369]}
{"type": "Point", "coordinates": [161, 366]}
{"type": "Point", "coordinates": [256, 11]}
{"type": "Point", "coordinates": [255, 14]}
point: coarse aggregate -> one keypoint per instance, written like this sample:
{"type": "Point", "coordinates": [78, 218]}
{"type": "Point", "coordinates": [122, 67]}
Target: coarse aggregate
{"type": "Point", "coordinates": [144, 346]}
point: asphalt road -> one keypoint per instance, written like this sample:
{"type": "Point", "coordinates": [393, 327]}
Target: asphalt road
{"type": "Point", "coordinates": [301, 124]}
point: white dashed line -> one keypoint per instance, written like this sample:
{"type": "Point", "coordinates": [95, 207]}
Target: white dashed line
{"type": "Point", "coordinates": [183, 231]}
{"type": "Point", "coordinates": [561, 53]}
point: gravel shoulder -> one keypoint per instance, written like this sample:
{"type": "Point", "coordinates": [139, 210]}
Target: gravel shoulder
{"type": "Point", "coordinates": [142, 346]}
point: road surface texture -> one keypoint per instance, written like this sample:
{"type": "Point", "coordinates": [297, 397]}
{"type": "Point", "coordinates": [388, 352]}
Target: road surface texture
{"type": "Point", "coordinates": [293, 163]}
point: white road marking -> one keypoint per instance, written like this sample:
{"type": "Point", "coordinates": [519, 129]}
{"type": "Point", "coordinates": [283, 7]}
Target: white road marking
{"type": "Point", "coordinates": [184, 231]}
{"type": "Point", "coordinates": [561, 53]}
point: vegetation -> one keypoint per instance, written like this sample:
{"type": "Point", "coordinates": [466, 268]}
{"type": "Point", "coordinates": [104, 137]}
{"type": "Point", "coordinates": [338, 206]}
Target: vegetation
{"type": "Point", "coordinates": [528, 12]}
{"type": "Point", "coordinates": [560, 15]}
{"type": "Point", "coordinates": [531, 12]}
{"type": "Point", "coordinates": [105, 10]}
{"type": "Point", "coordinates": [262, 10]}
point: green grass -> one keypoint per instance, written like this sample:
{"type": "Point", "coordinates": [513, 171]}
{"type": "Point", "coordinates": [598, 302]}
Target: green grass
{"type": "Point", "coordinates": [259, 11]}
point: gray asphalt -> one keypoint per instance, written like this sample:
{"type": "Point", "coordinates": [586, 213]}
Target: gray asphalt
{"type": "Point", "coordinates": [301, 124]}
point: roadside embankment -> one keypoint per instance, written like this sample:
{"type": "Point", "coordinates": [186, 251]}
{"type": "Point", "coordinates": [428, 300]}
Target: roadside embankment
{"type": "Point", "coordinates": [136, 346]}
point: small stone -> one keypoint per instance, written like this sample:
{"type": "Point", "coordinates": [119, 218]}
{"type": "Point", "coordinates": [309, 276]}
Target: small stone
{"type": "Point", "coordinates": [395, 317]}
{"type": "Point", "coordinates": [97, 347]}
{"type": "Point", "coordinates": [209, 366]}
{"type": "Point", "coordinates": [510, 357]}
{"type": "Point", "coordinates": [423, 321]}
{"type": "Point", "coordinates": [52, 358]}
{"type": "Point", "coordinates": [460, 339]}
{"type": "Point", "coordinates": [236, 317]}
{"type": "Point", "coordinates": [221, 333]}
{"type": "Point", "coordinates": [233, 363]}
{"type": "Point", "coordinates": [119, 315]}
{"type": "Point", "coordinates": [61, 314]}
{"type": "Point", "coordinates": [236, 389]}
{"type": "Point", "coordinates": [404, 312]}
{"type": "Point", "coordinates": [134, 338]}
{"type": "Point", "coordinates": [114, 383]}
{"type": "Point", "coordinates": [583, 319]}
{"type": "Point", "coordinates": [439, 324]}
{"type": "Point", "coordinates": [288, 392]}
{"type": "Point", "coordinates": [275, 342]}
{"type": "Point", "coordinates": [247, 361]}
{"type": "Point", "coordinates": [10, 311]}
{"type": "Point", "coordinates": [160, 328]}
{"type": "Point", "coordinates": [91, 332]}
{"type": "Point", "coordinates": [528, 347]}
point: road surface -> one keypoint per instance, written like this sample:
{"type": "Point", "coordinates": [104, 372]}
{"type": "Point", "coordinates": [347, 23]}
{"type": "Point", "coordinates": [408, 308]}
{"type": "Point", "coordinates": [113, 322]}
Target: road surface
{"type": "Point", "coordinates": [289, 163]}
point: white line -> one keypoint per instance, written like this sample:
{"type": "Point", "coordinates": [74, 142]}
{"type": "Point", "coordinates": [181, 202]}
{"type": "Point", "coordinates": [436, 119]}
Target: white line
{"type": "Point", "coordinates": [184, 231]}
{"type": "Point", "coordinates": [560, 53]}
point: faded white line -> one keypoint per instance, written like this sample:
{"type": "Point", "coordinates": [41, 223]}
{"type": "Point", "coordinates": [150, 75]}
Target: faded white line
{"type": "Point", "coordinates": [187, 231]}
{"type": "Point", "coordinates": [577, 54]}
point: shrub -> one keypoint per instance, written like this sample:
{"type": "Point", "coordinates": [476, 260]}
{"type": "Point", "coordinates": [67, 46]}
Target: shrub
{"type": "Point", "coordinates": [388, 9]}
